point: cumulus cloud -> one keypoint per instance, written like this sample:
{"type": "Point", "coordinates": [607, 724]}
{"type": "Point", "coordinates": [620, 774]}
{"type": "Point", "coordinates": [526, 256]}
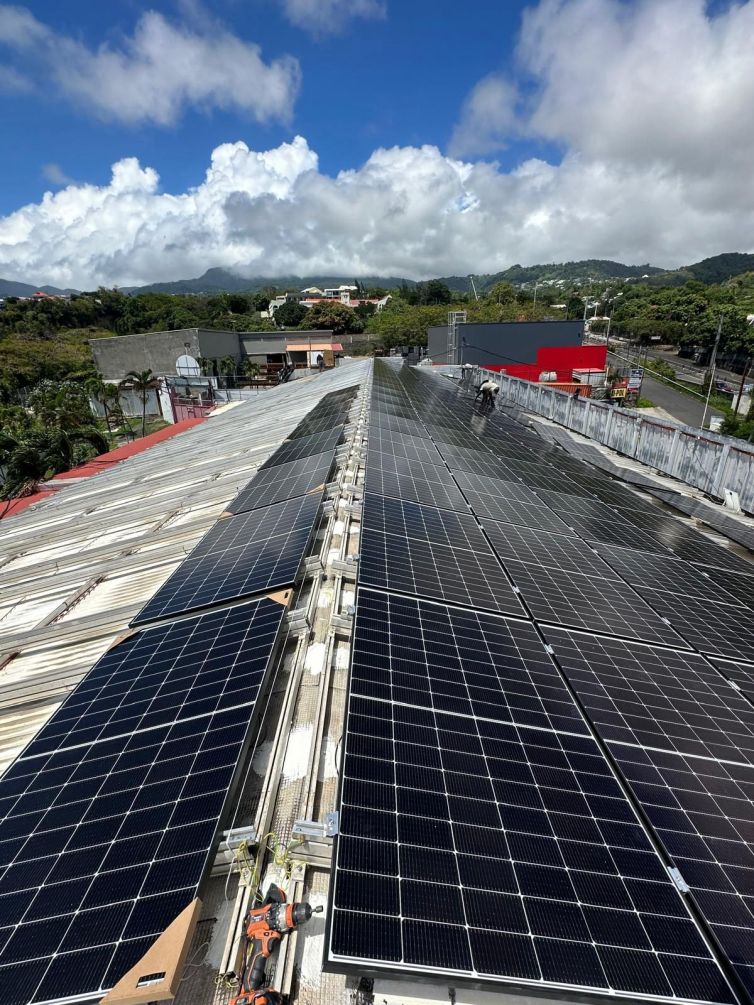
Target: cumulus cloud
{"type": "Point", "coordinates": [488, 118]}
{"type": "Point", "coordinates": [656, 153]}
{"type": "Point", "coordinates": [330, 17]}
{"type": "Point", "coordinates": [153, 75]}
{"type": "Point", "coordinates": [54, 173]}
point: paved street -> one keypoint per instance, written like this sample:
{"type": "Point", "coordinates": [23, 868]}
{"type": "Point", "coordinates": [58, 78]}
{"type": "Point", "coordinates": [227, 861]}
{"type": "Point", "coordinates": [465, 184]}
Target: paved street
{"type": "Point", "coordinates": [681, 406]}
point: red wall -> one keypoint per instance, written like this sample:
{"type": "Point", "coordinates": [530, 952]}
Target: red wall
{"type": "Point", "coordinates": [562, 359]}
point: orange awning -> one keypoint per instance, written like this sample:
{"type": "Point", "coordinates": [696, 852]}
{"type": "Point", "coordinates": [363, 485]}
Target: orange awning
{"type": "Point", "coordinates": [313, 346]}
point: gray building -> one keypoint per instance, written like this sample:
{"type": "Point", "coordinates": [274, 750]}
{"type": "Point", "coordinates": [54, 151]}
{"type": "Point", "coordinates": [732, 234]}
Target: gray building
{"type": "Point", "coordinates": [178, 351]}
{"type": "Point", "coordinates": [502, 342]}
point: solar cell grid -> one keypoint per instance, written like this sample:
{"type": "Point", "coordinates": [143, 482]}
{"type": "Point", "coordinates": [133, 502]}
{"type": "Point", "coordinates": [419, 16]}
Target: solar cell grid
{"type": "Point", "coordinates": [403, 445]}
{"type": "Point", "coordinates": [481, 462]}
{"type": "Point", "coordinates": [741, 673]}
{"type": "Point", "coordinates": [410, 520]}
{"type": "Point", "coordinates": [494, 488]}
{"type": "Point", "coordinates": [656, 697]}
{"type": "Point", "coordinates": [427, 569]}
{"type": "Point", "coordinates": [589, 602]}
{"type": "Point", "coordinates": [305, 446]}
{"type": "Point", "coordinates": [254, 552]}
{"type": "Point", "coordinates": [455, 437]}
{"type": "Point", "coordinates": [104, 841]}
{"type": "Point", "coordinates": [731, 584]}
{"type": "Point", "coordinates": [473, 846]}
{"type": "Point", "coordinates": [321, 423]}
{"type": "Point", "coordinates": [694, 547]}
{"type": "Point", "coordinates": [398, 423]}
{"type": "Point", "coordinates": [564, 503]}
{"type": "Point", "coordinates": [615, 531]}
{"type": "Point", "coordinates": [442, 493]}
{"type": "Point", "coordinates": [719, 629]}
{"type": "Point", "coordinates": [662, 572]}
{"type": "Point", "coordinates": [554, 551]}
{"type": "Point", "coordinates": [285, 481]}
{"type": "Point", "coordinates": [701, 810]}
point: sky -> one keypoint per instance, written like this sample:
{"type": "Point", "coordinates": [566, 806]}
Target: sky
{"type": "Point", "coordinates": [416, 138]}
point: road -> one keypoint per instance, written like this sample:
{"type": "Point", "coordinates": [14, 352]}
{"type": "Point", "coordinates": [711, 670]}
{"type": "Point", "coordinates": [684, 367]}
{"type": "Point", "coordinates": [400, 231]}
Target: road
{"type": "Point", "coordinates": [681, 406]}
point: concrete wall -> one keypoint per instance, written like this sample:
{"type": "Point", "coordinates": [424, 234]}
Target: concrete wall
{"type": "Point", "coordinates": [156, 351]}
{"type": "Point", "coordinates": [508, 341]}
{"type": "Point", "coordinates": [217, 344]}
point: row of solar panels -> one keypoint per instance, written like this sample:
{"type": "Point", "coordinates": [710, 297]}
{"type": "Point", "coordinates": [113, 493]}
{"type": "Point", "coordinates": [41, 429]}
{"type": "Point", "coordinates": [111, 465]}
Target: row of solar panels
{"type": "Point", "coordinates": [485, 833]}
{"type": "Point", "coordinates": [109, 817]}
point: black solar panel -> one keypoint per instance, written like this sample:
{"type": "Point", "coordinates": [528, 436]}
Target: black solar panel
{"type": "Point", "coordinates": [694, 547]}
{"type": "Point", "coordinates": [480, 462]}
{"type": "Point", "coordinates": [554, 551]}
{"type": "Point", "coordinates": [422, 483]}
{"type": "Point", "coordinates": [664, 572]}
{"type": "Point", "coordinates": [720, 629]}
{"type": "Point", "coordinates": [654, 697]}
{"type": "Point", "coordinates": [456, 437]}
{"type": "Point", "coordinates": [111, 813]}
{"type": "Point", "coordinates": [566, 505]}
{"type": "Point", "coordinates": [496, 488]}
{"type": "Point", "coordinates": [416, 448]}
{"type": "Point", "coordinates": [397, 423]}
{"type": "Point", "coordinates": [701, 810]}
{"type": "Point", "coordinates": [285, 481]}
{"type": "Point", "coordinates": [731, 584]}
{"type": "Point", "coordinates": [320, 423]}
{"type": "Point", "coordinates": [741, 673]}
{"type": "Point", "coordinates": [482, 832]}
{"type": "Point", "coordinates": [305, 446]}
{"type": "Point", "coordinates": [255, 552]}
{"type": "Point", "coordinates": [427, 569]}
{"type": "Point", "coordinates": [615, 531]}
{"type": "Point", "coordinates": [590, 602]}
{"type": "Point", "coordinates": [410, 520]}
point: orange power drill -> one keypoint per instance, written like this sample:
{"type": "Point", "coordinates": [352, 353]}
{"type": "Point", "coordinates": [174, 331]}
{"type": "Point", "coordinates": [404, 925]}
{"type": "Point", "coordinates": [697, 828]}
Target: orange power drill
{"type": "Point", "coordinates": [263, 929]}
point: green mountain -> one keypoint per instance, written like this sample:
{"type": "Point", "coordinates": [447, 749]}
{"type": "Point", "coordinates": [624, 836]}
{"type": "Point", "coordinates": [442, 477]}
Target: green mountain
{"type": "Point", "coordinates": [9, 288]}
{"type": "Point", "coordinates": [222, 281]}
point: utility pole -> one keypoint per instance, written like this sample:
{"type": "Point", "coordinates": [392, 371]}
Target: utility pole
{"type": "Point", "coordinates": [744, 375]}
{"type": "Point", "coordinates": [536, 284]}
{"type": "Point", "coordinates": [476, 295]}
{"type": "Point", "coordinates": [713, 361]}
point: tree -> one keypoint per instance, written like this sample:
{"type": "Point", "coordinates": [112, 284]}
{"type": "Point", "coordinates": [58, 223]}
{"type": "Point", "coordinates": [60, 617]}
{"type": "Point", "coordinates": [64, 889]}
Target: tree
{"type": "Point", "coordinates": [260, 302]}
{"type": "Point", "coordinates": [502, 293]}
{"type": "Point", "coordinates": [290, 314]}
{"type": "Point", "coordinates": [237, 303]}
{"type": "Point", "coordinates": [433, 292]}
{"type": "Point", "coordinates": [141, 381]}
{"type": "Point", "coordinates": [228, 367]}
{"type": "Point", "coordinates": [248, 367]}
{"type": "Point", "coordinates": [333, 316]}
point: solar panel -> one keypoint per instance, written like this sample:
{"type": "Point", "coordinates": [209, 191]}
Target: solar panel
{"type": "Point", "coordinates": [741, 673]}
{"type": "Point", "coordinates": [615, 531]}
{"type": "Point", "coordinates": [455, 575]}
{"type": "Point", "coordinates": [397, 423]}
{"type": "Point", "coordinates": [483, 834]}
{"type": "Point", "coordinates": [564, 503]}
{"type": "Point", "coordinates": [497, 488]}
{"type": "Point", "coordinates": [694, 547]}
{"type": "Point", "coordinates": [590, 602]}
{"type": "Point", "coordinates": [718, 629]}
{"type": "Point", "coordinates": [731, 584]}
{"type": "Point", "coordinates": [701, 811]}
{"type": "Point", "coordinates": [410, 520]}
{"type": "Point", "coordinates": [320, 423]}
{"type": "Point", "coordinates": [285, 481]}
{"type": "Point", "coordinates": [416, 448]}
{"type": "Point", "coordinates": [521, 513]}
{"type": "Point", "coordinates": [654, 697]}
{"type": "Point", "coordinates": [110, 815]}
{"type": "Point", "coordinates": [663, 572]}
{"type": "Point", "coordinates": [422, 483]}
{"type": "Point", "coordinates": [554, 551]}
{"type": "Point", "coordinates": [456, 437]}
{"type": "Point", "coordinates": [305, 446]}
{"type": "Point", "coordinates": [480, 462]}
{"type": "Point", "coordinates": [255, 552]}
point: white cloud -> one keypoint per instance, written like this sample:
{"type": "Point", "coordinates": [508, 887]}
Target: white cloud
{"type": "Point", "coordinates": [331, 17]}
{"type": "Point", "coordinates": [488, 118]}
{"type": "Point", "coordinates": [156, 73]}
{"type": "Point", "coordinates": [657, 148]}
{"type": "Point", "coordinates": [56, 175]}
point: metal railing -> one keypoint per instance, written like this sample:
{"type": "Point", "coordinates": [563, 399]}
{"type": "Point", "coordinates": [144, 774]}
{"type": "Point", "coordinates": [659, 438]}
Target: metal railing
{"type": "Point", "coordinates": [707, 461]}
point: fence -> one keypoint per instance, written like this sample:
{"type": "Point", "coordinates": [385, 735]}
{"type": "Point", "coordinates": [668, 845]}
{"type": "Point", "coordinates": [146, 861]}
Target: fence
{"type": "Point", "coordinates": [704, 460]}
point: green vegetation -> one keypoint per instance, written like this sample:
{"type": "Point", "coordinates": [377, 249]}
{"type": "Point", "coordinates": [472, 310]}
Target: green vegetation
{"type": "Point", "coordinates": [55, 432]}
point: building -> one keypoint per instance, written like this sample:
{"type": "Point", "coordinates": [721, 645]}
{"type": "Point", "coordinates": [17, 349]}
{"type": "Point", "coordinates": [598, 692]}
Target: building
{"type": "Point", "coordinates": [185, 352]}
{"type": "Point", "coordinates": [332, 294]}
{"type": "Point", "coordinates": [494, 345]}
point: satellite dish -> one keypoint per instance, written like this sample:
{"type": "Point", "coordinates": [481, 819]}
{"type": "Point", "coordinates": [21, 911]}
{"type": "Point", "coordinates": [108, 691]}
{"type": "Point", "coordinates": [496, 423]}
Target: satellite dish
{"type": "Point", "coordinates": [186, 366]}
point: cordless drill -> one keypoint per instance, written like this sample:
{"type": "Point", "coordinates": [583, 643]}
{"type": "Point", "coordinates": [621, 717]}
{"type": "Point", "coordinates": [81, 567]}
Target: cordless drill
{"type": "Point", "coordinates": [263, 929]}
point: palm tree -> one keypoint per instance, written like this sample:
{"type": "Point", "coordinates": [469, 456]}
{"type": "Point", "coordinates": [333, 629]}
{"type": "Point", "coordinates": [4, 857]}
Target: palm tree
{"type": "Point", "coordinates": [248, 367]}
{"type": "Point", "coordinates": [227, 367]}
{"type": "Point", "coordinates": [141, 381]}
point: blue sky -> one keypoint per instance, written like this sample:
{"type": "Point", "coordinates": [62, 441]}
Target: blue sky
{"type": "Point", "coordinates": [422, 138]}
{"type": "Point", "coordinates": [398, 80]}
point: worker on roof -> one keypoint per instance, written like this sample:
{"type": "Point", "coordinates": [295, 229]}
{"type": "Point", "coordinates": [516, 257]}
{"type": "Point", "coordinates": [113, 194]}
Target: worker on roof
{"type": "Point", "coordinates": [489, 391]}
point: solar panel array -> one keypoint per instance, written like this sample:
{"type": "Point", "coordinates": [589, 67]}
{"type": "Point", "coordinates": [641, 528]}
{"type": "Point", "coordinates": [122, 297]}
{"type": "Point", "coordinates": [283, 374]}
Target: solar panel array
{"type": "Point", "coordinates": [520, 785]}
{"type": "Point", "coordinates": [109, 817]}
